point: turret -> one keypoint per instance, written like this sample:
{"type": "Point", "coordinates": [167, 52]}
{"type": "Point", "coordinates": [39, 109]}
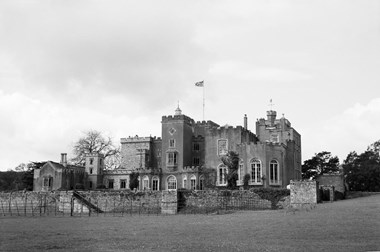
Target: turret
{"type": "Point", "coordinates": [94, 169]}
{"type": "Point", "coordinates": [271, 117]}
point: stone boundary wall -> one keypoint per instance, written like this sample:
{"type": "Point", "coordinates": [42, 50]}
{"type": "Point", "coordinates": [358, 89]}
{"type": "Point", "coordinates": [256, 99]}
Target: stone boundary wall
{"type": "Point", "coordinates": [303, 192]}
{"type": "Point", "coordinates": [128, 202]}
{"type": "Point", "coordinates": [216, 199]}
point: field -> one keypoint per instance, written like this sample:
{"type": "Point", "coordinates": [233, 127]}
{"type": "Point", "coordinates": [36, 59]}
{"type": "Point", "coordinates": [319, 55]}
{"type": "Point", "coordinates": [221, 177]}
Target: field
{"type": "Point", "coordinates": [349, 225]}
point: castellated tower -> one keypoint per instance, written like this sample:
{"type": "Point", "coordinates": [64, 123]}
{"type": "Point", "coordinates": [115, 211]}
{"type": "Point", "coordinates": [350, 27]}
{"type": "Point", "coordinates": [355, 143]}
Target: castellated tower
{"type": "Point", "coordinates": [94, 169]}
{"type": "Point", "coordinates": [177, 133]}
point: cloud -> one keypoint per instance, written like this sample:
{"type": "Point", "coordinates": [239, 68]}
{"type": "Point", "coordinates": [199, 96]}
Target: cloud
{"type": "Point", "coordinates": [123, 47]}
{"type": "Point", "coordinates": [248, 72]}
{"type": "Point", "coordinates": [33, 130]}
{"type": "Point", "coordinates": [353, 130]}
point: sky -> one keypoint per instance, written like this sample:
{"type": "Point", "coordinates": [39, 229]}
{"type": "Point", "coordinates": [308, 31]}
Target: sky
{"type": "Point", "coordinates": [68, 66]}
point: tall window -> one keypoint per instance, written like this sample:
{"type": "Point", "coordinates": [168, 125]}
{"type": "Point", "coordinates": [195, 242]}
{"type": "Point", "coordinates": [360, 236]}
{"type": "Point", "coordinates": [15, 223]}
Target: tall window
{"type": "Point", "coordinates": [145, 183]}
{"type": "Point", "coordinates": [172, 183]}
{"type": "Point", "coordinates": [172, 158]}
{"type": "Point", "coordinates": [123, 184]}
{"type": "Point", "coordinates": [48, 181]}
{"type": "Point", "coordinates": [201, 182]}
{"type": "Point", "coordinates": [90, 184]}
{"type": "Point", "coordinates": [184, 181]}
{"type": "Point", "coordinates": [274, 172]}
{"type": "Point", "coordinates": [110, 183]}
{"type": "Point", "coordinates": [196, 146]}
{"type": "Point", "coordinates": [91, 161]}
{"type": "Point", "coordinates": [222, 175]}
{"type": "Point", "coordinates": [256, 171]}
{"type": "Point", "coordinates": [196, 161]}
{"type": "Point", "coordinates": [171, 143]}
{"type": "Point", "coordinates": [155, 185]}
{"type": "Point", "coordinates": [193, 182]}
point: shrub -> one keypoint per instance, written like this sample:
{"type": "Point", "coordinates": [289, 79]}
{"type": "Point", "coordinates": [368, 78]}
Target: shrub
{"type": "Point", "coordinates": [274, 195]}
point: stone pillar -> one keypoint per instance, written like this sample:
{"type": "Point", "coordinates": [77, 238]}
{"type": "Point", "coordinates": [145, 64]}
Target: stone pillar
{"type": "Point", "coordinates": [169, 202]}
{"type": "Point", "coordinates": [303, 193]}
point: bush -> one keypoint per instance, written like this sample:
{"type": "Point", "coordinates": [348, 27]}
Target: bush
{"type": "Point", "coordinates": [274, 195]}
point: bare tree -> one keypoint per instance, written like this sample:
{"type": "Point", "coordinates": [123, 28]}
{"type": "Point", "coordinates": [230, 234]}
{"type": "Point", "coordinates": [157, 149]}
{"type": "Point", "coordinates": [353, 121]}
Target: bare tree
{"type": "Point", "coordinates": [94, 142]}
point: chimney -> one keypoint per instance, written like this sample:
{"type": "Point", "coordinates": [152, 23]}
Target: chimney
{"type": "Point", "coordinates": [245, 122]}
{"type": "Point", "coordinates": [64, 159]}
{"type": "Point", "coordinates": [271, 117]}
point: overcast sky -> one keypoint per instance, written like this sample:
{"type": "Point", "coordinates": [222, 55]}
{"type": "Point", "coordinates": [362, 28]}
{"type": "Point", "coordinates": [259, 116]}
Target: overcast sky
{"type": "Point", "coordinates": [118, 66]}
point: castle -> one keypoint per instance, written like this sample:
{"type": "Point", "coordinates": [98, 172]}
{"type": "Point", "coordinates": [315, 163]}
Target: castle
{"type": "Point", "coordinates": [188, 155]}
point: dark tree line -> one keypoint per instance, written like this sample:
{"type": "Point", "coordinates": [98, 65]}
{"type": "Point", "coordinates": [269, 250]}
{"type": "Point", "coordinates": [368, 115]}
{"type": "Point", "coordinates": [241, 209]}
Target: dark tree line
{"type": "Point", "coordinates": [21, 178]}
{"type": "Point", "coordinates": [362, 171]}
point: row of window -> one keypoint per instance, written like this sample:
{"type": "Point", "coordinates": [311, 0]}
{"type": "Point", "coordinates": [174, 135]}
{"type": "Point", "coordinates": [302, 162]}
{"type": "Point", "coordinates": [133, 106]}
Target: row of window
{"type": "Point", "coordinates": [172, 159]}
{"type": "Point", "coordinates": [111, 184]}
{"type": "Point", "coordinates": [255, 172]}
{"type": "Point", "coordinates": [196, 146]}
{"type": "Point", "coordinates": [171, 183]}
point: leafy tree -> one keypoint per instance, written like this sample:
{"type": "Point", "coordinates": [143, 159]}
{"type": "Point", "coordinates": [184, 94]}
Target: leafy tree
{"type": "Point", "coordinates": [94, 142]}
{"type": "Point", "coordinates": [321, 163]}
{"type": "Point", "coordinates": [362, 172]}
{"type": "Point", "coordinates": [231, 160]}
{"type": "Point", "coordinates": [247, 178]}
{"type": "Point", "coordinates": [134, 180]}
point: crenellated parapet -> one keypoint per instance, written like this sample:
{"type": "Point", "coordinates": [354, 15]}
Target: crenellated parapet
{"type": "Point", "coordinates": [184, 118]}
{"type": "Point", "coordinates": [149, 170]}
{"type": "Point", "coordinates": [137, 139]}
{"type": "Point", "coordinates": [192, 168]}
{"type": "Point", "coordinates": [117, 172]}
{"type": "Point", "coordinates": [209, 124]}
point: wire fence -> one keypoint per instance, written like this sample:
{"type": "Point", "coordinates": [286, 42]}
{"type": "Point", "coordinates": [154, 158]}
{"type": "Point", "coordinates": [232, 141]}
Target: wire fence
{"type": "Point", "coordinates": [121, 204]}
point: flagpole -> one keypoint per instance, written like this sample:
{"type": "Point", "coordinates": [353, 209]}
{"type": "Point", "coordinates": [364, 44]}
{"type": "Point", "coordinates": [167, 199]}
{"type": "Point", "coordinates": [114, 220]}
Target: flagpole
{"type": "Point", "coordinates": [203, 102]}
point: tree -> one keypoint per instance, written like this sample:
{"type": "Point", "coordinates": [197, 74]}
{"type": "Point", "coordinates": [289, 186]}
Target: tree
{"type": "Point", "coordinates": [362, 172]}
{"type": "Point", "coordinates": [20, 178]}
{"type": "Point", "coordinates": [321, 163]}
{"type": "Point", "coordinates": [231, 160]}
{"type": "Point", "coordinates": [134, 180]}
{"type": "Point", "coordinates": [94, 142]}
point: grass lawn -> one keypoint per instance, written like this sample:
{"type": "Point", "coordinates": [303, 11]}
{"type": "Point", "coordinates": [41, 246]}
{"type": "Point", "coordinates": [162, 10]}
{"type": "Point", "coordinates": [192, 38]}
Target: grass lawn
{"type": "Point", "coordinates": [349, 225]}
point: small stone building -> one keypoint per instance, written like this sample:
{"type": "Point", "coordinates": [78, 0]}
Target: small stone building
{"type": "Point", "coordinates": [58, 176]}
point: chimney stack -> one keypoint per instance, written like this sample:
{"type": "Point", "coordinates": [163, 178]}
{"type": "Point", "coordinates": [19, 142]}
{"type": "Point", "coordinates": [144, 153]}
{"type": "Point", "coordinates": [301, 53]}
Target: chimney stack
{"type": "Point", "coordinates": [245, 122]}
{"type": "Point", "coordinates": [64, 159]}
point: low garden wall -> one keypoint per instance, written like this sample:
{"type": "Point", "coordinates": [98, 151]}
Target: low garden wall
{"type": "Point", "coordinates": [141, 202]}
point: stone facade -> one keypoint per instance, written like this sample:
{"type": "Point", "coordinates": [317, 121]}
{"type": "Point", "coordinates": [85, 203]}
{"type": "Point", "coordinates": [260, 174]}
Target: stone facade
{"type": "Point", "coordinates": [188, 152]}
{"type": "Point", "coordinates": [188, 149]}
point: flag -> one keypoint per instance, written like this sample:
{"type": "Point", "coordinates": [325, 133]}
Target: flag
{"type": "Point", "coordinates": [199, 84]}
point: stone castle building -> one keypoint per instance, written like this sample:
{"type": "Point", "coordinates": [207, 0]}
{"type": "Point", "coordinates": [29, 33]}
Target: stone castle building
{"type": "Point", "coordinates": [188, 155]}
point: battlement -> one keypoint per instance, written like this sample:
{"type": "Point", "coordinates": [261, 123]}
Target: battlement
{"type": "Point", "coordinates": [150, 170]}
{"type": "Point", "coordinates": [184, 118]}
{"type": "Point", "coordinates": [208, 123]}
{"type": "Point", "coordinates": [192, 168]}
{"type": "Point", "coordinates": [137, 139]}
{"type": "Point", "coordinates": [119, 171]}
{"type": "Point", "coordinates": [230, 128]}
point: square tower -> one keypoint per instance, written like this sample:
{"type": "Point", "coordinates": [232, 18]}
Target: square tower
{"type": "Point", "coordinates": [94, 169]}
